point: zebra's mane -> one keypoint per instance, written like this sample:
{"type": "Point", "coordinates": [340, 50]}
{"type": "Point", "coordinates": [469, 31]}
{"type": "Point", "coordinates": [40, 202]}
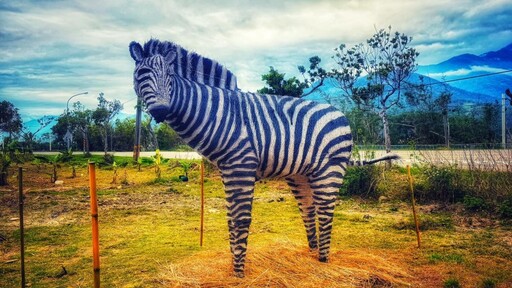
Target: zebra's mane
{"type": "Point", "coordinates": [191, 65]}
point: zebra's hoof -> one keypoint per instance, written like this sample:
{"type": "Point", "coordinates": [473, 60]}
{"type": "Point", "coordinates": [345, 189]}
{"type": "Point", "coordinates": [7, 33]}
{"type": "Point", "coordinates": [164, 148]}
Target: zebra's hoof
{"type": "Point", "coordinates": [239, 274]}
{"type": "Point", "coordinates": [323, 259]}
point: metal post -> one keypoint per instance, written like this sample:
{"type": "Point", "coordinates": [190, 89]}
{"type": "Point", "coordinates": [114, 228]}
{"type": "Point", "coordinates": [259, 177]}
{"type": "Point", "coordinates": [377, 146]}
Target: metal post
{"type": "Point", "coordinates": [413, 200]}
{"type": "Point", "coordinates": [94, 216]}
{"type": "Point", "coordinates": [136, 147]}
{"type": "Point", "coordinates": [22, 228]}
{"type": "Point", "coordinates": [503, 122]}
{"type": "Point", "coordinates": [202, 203]}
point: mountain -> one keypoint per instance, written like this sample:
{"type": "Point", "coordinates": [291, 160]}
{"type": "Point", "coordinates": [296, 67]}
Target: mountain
{"type": "Point", "coordinates": [479, 72]}
{"type": "Point", "coordinates": [470, 78]}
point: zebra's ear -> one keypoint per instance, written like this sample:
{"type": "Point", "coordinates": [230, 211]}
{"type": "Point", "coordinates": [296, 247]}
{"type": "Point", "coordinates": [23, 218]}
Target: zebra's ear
{"type": "Point", "coordinates": [136, 51]}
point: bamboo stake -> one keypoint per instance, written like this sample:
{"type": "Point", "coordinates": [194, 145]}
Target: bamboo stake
{"type": "Point", "coordinates": [22, 228]}
{"type": "Point", "coordinates": [202, 203]}
{"type": "Point", "coordinates": [94, 216]}
{"type": "Point", "coordinates": [414, 207]}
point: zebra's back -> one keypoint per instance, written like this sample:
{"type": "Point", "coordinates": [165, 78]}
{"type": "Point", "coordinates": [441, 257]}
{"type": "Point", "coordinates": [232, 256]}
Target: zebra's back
{"type": "Point", "coordinates": [294, 136]}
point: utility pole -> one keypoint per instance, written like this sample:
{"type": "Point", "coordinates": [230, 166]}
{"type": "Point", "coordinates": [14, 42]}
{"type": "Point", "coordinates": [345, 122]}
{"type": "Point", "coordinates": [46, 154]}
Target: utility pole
{"type": "Point", "coordinates": [503, 122]}
{"type": "Point", "coordinates": [504, 115]}
{"type": "Point", "coordinates": [136, 147]}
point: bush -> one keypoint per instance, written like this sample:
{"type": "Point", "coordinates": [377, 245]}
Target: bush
{"type": "Point", "coordinates": [488, 283]}
{"type": "Point", "coordinates": [442, 184]}
{"type": "Point", "coordinates": [108, 159]}
{"type": "Point", "coordinates": [451, 283]}
{"type": "Point", "coordinates": [361, 181]}
{"type": "Point", "coordinates": [505, 209]}
{"type": "Point", "coordinates": [474, 204]}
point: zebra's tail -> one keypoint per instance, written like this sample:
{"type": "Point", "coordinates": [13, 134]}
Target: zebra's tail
{"type": "Point", "coordinates": [387, 157]}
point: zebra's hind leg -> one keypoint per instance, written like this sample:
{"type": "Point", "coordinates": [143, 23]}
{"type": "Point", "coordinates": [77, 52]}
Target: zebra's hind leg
{"type": "Point", "coordinates": [299, 185]}
{"type": "Point", "coordinates": [239, 187]}
{"type": "Point", "coordinates": [325, 190]}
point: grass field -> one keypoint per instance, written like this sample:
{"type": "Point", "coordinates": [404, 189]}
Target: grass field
{"type": "Point", "coordinates": [149, 236]}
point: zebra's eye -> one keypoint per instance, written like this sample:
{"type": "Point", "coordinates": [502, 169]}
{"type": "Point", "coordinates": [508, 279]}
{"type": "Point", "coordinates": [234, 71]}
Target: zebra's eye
{"type": "Point", "coordinates": [142, 71]}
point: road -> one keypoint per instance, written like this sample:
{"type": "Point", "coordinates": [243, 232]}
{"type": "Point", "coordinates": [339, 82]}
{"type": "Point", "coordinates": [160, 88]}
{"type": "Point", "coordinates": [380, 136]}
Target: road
{"type": "Point", "coordinates": [491, 159]}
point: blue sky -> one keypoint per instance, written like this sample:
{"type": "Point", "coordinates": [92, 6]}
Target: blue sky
{"type": "Point", "coordinates": [50, 50]}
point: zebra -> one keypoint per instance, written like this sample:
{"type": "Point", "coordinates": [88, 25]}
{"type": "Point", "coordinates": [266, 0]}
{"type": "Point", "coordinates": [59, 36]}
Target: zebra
{"type": "Point", "coordinates": [248, 137]}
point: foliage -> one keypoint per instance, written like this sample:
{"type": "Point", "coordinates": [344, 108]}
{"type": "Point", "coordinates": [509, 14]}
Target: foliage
{"type": "Point", "coordinates": [441, 184]}
{"type": "Point", "coordinates": [386, 60]}
{"type": "Point", "coordinates": [5, 162]}
{"type": "Point", "coordinates": [167, 138]}
{"type": "Point", "coordinates": [277, 85]}
{"type": "Point", "coordinates": [451, 283]}
{"type": "Point", "coordinates": [361, 181]}
{"type": "Point", "coordinates": [488, 283]}
{"type": "Point", "coordinates": [474, 204]}
{"type": "Point", "coordinates": [505, 208]}
{"type": "Point", "coordinates": [103, 114]}
{"type": "Point", "coordinates": [10, 119]}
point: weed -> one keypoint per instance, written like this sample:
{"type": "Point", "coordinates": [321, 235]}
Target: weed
{"type": "Point", "coordinates": [427, 222]}
{"type": "Point", "coordinates": [452, 258]}
{"type": "Point", "coordinates": [442, 184]}
{"type": "Point", "coordinates": [451, 283]}
{"type": "Point", "coordinates": [361, 181]}
{"type": "Point", "coordinates": [474, 204]}
{"type": "Point", "coordinates": [488, 283]}
{"type": "Point", "coordinates": [505, 209]}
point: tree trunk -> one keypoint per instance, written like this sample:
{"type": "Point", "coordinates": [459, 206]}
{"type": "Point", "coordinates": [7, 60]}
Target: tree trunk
{"type": "Point", "coordinates": [385, 125]}
{"type": "Point", "coordinates": [446, 127]}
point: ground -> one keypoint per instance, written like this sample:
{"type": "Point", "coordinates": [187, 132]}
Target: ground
{"type": "Point", "coordinates": [150, 229]}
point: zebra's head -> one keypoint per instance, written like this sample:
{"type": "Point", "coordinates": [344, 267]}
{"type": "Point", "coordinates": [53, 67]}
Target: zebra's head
{"type": "Point", "coordinates": [152, 81]}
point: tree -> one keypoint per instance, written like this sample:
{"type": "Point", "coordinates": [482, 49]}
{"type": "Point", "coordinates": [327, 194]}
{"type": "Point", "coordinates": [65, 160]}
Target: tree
{"type": "Point", "coordinates": [167, 138]}
{"type": "Point", "coordinates": [81, 119]}
{"type": "Point", "coordinates": [28, 136]}
{"type": "Point", "coordinates": [10, 120]}
{"type": "Point", "coordinates": [371, 74]}
{"type": "Point", "coordinates": [124, 134]}
{"type": "Point", "coordinates": [277, 85]}
{"type": "Point", "coordinates": [430, 112]}
{"type": "Point", "coordinates": [102, 116]}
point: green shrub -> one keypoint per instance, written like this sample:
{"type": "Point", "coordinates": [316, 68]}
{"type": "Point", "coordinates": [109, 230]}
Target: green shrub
{"type": "Point", "coordinates": [474, 204]}
{"type": "Point", "coordinates": [442, 184]}
{"type": "Point", "coordinates": [108, 159]}
{"type": "Point", "coordinates": [505, 209]}
{"type": "Point", "coordinates": [488, 283]}
{"type": "Point", "coordinates": [361, 181]}
{"type": "Point", "coordinates": [451, 283]}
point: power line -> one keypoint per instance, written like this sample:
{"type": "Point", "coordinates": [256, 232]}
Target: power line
{"type": "Point", "coordinates": [469, 77]}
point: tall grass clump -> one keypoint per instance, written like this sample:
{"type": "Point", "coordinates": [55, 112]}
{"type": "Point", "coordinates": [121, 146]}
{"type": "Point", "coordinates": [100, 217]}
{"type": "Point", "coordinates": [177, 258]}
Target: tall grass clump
{"type": "Point", "coordinates": [362, 181]}
{"type": "Point", "coordinates": [482, 182]}
{"type": "Point", "coordinates": [443, 184]}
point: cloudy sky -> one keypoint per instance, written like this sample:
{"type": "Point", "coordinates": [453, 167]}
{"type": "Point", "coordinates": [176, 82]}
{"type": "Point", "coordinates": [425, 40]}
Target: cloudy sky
{"type": "Point", "coordinates": [51, 50]}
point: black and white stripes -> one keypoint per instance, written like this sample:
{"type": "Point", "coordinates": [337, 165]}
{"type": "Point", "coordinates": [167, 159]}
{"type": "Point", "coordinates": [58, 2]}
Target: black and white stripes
{"type": "Point", "coordinates": [248, 137]}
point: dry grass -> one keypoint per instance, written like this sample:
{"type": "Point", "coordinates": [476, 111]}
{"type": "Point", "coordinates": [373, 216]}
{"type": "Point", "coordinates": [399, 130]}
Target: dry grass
{"type": "Point", "coordinates": [287, 264]}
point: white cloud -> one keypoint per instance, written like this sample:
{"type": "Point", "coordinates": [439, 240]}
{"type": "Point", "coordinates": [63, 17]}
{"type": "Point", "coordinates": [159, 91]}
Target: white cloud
{"type": "Point", "coordinates": [59, 47]}
{"type": "Point", "coordinates": [465, 72]}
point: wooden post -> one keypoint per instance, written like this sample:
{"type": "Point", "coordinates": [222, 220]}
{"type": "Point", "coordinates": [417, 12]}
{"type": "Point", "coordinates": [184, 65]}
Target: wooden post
{"type": "Point", "coordinates": [414, 207]}
{"type": "Point", "coordinates": [22, 228]}
{"type": "Point", "coordinates": [94, 216]}
{"type": "Point", "coordinates": [202, 203]}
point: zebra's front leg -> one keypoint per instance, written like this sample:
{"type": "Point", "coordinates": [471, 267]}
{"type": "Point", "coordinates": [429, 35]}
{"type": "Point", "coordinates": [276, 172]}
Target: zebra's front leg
{"type": "Point", "coordinates": [239, 187]}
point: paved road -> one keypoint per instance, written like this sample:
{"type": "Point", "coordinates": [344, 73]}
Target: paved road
{"type": "Point", "coordinates": [165, 154]}
{"type": "Point", "coordinates": [493, 159]}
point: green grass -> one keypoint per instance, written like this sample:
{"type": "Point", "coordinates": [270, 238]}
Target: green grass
{"type": "Point", "coordinates": [148, 225]}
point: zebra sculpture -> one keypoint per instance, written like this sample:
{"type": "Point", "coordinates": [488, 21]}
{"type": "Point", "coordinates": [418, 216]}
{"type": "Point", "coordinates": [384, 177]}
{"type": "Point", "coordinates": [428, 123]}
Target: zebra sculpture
{"type": "Point", "coordinates": [248, 137]}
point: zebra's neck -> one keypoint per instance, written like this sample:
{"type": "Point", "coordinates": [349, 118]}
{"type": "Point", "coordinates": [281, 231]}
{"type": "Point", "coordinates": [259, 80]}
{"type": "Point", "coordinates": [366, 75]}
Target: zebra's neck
{"type": "Point", "coordinates": [199, 112]}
